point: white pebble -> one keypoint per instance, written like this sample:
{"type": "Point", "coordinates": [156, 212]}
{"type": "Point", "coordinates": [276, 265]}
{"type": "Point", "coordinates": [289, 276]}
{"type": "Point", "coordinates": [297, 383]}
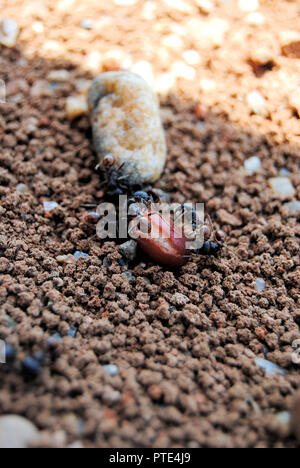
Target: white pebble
{"type": "Point", "coordinates": [145, 70]}
{"type": "Point", "coordinates": [52, 46]}
{"type": "Point", "coordinates": [22, 188]}
{"type": "Point", "coordinates": [179, 5]}
{"type": "Point", "coordinates": [65, 259]}
{"type": "Point", "coordinates": [148, 12]}
{"type": "Point", "coordinates": [284, 172]}
{"type": "Point", "coordinates": [207, 85]}
{"type": "Point", "coordinates": [255, 18]}
{"type": "Point", "coordinates": [111, 369]}
{"type": "Point", "coordinates": [248, 5]}
{"type": "Point", "coordinates": [49, 206]}
{"type": "Point", "coordinates": [125, 2]}
{"type": "Point", "coordinates": [252, 165]}
{"type": "Point", "coordinates": [58, 76]}
{"type": "Point", "coordinates": [93, 61]}
{"type": "Point", "coordinates": [282, 187]}
{"type": "Point", "coordinates": [87, 24]}
{"type": "Point", "coordinates": [181, 70]}
{"type": "Point", "coordinates": [9, 31]}
{"type": "Point", "coordinates": [30, 125]}
{"type": "Point", "coordinates": [256, 102]}
{"type": "Point", "coordinates": [260, 284]}
{"type": "Point", "coordinates": [269, 367]}
{"type": "Point", "coordinates": [173, 41]}
{"type": "Point", "coordinates": [292, 208]}
{"type": "Point", "coordinates": [164, 83]}
{"type": "Point", "coordinates": [41, 88]}
{"type": "Point", "coordinates": [206, 6]}
{"type": "Point", "coordinates": [38, 27]}
{"type": "Point", "coordinates": [16, 432]}
{"type": "Point", "coordinates": [76, 106]}
{"type": "Point", "coordinates": [191, 57]}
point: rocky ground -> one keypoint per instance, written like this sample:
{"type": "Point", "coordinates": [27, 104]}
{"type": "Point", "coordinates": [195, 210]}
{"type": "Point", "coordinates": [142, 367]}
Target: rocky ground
{"type": "Point", "coordinates": [139, 355]}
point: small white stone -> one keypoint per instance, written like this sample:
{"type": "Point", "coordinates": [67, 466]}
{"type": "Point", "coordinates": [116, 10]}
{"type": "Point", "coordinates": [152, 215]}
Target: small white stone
{"type": "Point", "coordinates": [149, 9]}
{"type": "Point", "coordinates": [248, 5]}
{"type": "Point", "coordinates": [38, 27]}
{"type": "Point", "coordinates": [181, 70]}
{"type": "Point", "coordinates": [252, 165]}
{"type": "Point", "coordinates": [255, 18]}
{"type": "Point", "coordinates": [58, 76]}
{"type": "Point", "coordinates": [82, 86]}
{"type": "Point", "coordinates": [256, 102]}
{"type": "Point", "coordinates": [292, 208]}
{"type": "Point", "coordinates": [124, 2]}
{"type": "Point", "coordinates": [64, 5]}
{"type": "Point", "coordinates": [9, 31]}
{"type": "Point", "coordinates": [40, 88]}
{"type": "Point", "coordinates": [282, 187]}
{"type": "Point", "coordinates": [179, 5]}
{"type": "Point", "coordinates": [93, 61]}
{"type": "Point", "coordinates": [164, 82]}
{"type": "Point", "coordinates": [260, 284]}
{"type": "Point", "coordinates": [52, 46]}
{"type": "Point", "coordinates": [65, 259]}
{"type": "Point", "coordinates": [269, 367]}
{"type": "Point", "coordinates": [207, 85]}
{"type": "Point", "coordinates": [206, 6]}
{"type": "Point", "coordinates": [49, 206]}
{"type": "Point", "coordinates": [16, 432]}
{"type": "Point", "coordinates": [284, 172]}
{"type": "Point", "coordinates": [76, 106]}
{"type": "Point", "coordinates": [145, 70]}
{"type": "Point", "coordinates": [111, 369]}
{"type": "Point", "coordinates": [192, 57]}
{"type": "Point", "coordinates": [30, 125]}
{"type": "Point", "coordinates": [87, 24]}
{"type": "Point", "coordinates": [173, 41]}
{"type": "Point", "coordinates": [22, 188]}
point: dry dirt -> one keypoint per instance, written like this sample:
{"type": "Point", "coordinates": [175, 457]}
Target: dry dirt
{"type": "Point", "coordinates": [184, 341]}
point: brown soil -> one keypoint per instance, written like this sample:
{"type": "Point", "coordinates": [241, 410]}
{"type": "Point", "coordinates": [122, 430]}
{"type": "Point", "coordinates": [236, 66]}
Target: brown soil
{"type": "Point", "coordinates": [184, 341]}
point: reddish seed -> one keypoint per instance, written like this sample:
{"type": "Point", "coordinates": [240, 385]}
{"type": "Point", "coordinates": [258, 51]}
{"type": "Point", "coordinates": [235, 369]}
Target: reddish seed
{"type": "Point", "coordinates": [92, 218]}
{"type": "Point", "coordinates": [165, 244]}
{"type": "Point", "coordinates": [201, 111]}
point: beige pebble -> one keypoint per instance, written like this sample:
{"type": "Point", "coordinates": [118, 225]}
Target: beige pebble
{"type": "Point", "coordinates": [76, 106]}
{"type": "Point", "coordinates": [41, 88]}
{"type": "Point", "coordinates": [127, 126]}
{"type": "Point", "coordinates": [227, 218]}
{"type": "Point", "coordinates": [282, 187]}
{"type": "Point", "coordinates": [59, 76]}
